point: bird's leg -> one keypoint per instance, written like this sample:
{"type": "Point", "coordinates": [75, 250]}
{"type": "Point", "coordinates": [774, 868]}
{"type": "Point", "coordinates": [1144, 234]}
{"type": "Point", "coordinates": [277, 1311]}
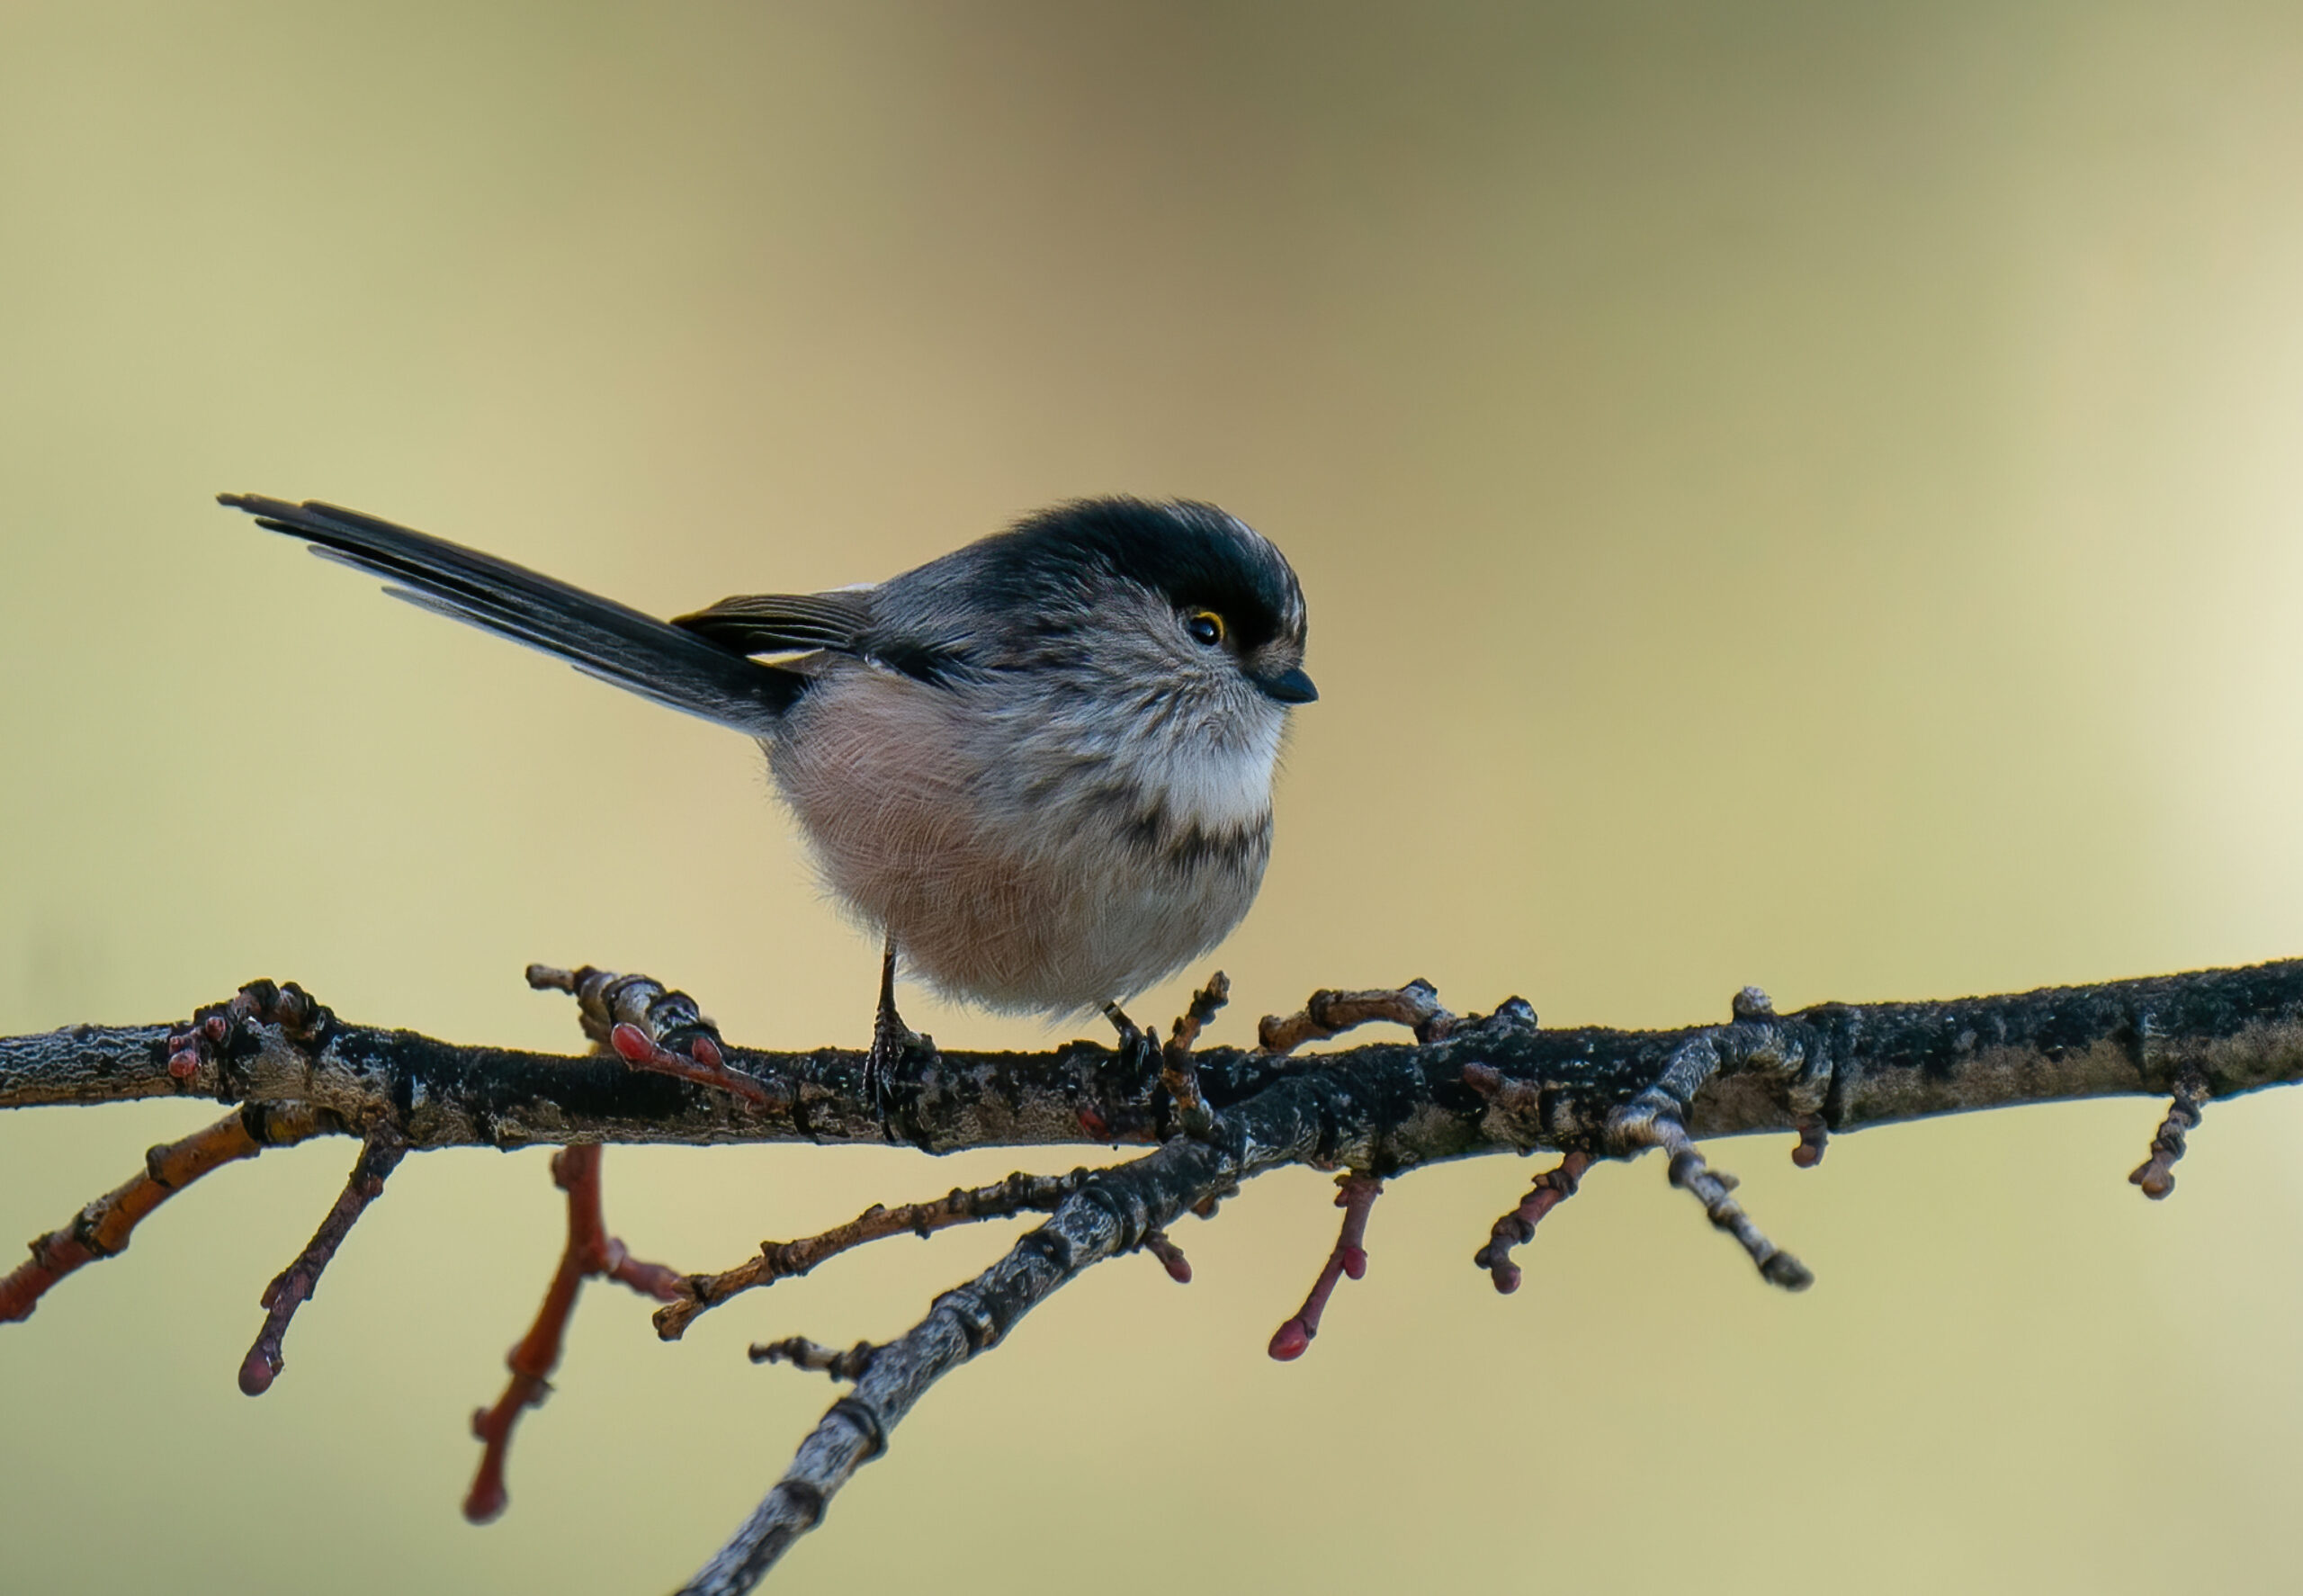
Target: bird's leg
{"type": "Point", "coordinates": [891, 1038]}
{"type": "Point", "coordinates": [1138, 1046]}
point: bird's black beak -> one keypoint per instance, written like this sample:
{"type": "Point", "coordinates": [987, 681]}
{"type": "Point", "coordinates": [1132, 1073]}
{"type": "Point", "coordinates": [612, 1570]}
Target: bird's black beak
{"type": "Point", "coordinates": [1291, 687]}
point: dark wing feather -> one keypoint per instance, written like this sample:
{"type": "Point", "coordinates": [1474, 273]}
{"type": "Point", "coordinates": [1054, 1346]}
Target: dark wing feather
{"type": "Point", "coordinates": [673, 666]}
{"type": "Point", "coordinates": [785, 624]}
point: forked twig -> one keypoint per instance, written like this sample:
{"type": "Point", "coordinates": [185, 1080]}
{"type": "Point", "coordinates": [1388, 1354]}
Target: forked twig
{"type": "Point", "coordinates": [102, 1229]}
{"type": "Point", "coordinates": [590, 1251]}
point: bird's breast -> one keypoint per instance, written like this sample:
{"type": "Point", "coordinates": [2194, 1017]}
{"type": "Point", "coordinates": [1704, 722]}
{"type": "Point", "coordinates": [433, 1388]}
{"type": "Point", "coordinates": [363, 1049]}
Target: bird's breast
{"type": "Point", "coordinates": [1018, 861]}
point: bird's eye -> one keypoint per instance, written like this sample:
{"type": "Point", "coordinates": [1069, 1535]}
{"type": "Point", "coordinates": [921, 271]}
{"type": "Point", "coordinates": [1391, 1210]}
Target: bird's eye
{"type": "Point", "coordinates": [1206, 627]}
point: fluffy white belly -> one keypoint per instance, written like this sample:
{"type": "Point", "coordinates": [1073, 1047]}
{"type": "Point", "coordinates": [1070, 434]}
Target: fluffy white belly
{"type": "Point", "coordinates": [1061, 875]}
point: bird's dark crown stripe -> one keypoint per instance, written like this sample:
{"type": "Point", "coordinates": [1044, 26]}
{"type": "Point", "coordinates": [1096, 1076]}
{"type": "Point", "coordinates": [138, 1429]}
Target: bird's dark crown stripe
{"type": "Point", "coordinates": [1193, 554]}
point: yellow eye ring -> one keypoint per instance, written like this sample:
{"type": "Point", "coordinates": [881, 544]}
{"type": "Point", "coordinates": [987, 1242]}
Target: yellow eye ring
{"type": "Point", "coordinates": [1204, 627]}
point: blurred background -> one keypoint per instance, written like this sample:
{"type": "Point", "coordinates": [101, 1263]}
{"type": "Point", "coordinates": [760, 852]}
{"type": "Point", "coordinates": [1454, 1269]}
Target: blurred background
{"type": "Point", "coordinates": [1804, 494]}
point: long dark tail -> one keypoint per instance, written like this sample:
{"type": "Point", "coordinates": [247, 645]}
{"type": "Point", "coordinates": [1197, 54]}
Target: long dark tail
{"type": "Point", "coordinates": [600, 637]}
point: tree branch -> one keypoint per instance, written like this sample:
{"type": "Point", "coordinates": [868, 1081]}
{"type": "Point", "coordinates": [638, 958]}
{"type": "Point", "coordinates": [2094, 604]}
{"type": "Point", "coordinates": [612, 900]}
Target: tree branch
{"type": "Point", "coordinates": [1214, 1117]}
{"type": "Point", "coordinates": [1855, 1065]}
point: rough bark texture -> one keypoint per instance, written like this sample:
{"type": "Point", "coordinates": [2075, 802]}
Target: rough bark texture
{"type": "Point", "coordinates": [1484, 1084]}
{"type": "Point", "coordinates": [1860, 1063]}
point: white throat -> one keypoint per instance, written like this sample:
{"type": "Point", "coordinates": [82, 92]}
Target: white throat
{"type": "Point", "coordinates": [1219, 786]}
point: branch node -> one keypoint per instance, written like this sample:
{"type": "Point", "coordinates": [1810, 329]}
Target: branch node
{"type": "Point", "coordinates": [1204, 1208]}
{"type": "Point", "coordinates": [1814, 1136]}
{"type": "Point", "coordinates": [1170, 1256]}
{"type": "Point", "coordinates": [1519, 1100]}
{"type": "Point", "coordinates": [2156, 1174]}
{"type": "Point", "coordinates": [219, 1030]}
{"type": "Point", "coordinates": [802, 1353]}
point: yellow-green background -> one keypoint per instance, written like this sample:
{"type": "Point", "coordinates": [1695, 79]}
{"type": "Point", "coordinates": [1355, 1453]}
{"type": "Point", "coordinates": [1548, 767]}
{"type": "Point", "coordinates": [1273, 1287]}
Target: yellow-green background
{"type": "Point", "coordinates": [1807, 495]}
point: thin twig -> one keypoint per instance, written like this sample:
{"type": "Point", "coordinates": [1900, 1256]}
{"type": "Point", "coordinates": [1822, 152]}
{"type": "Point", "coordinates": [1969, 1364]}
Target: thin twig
{"type": "Point", "coordinates": [1328, 1014]}
{"type": "Point", "coordinates": [1110, 1215]}
{"type": "Point", "coordinates": [2156, 1174]}
{"type": "Point", "coordinates": [379, 1155]}
{"type": "Point", "coordinates": [1689, 1171]}
{"type": "Point", "coordinates": [802, 1353]}
{"type": "Point", "coordinates": [1355, 1195]}
{"type": "Point", "coordinates": [1020, 1193]}
{"type": "Point", "coordinates": [1517, 1228]}
{"type": "Point", "coordinates": [1178, 1072]}
{"type": "Point", "coordinates": [590, 1251]}
{"type": "Point", "coordinates": [102, 1229]}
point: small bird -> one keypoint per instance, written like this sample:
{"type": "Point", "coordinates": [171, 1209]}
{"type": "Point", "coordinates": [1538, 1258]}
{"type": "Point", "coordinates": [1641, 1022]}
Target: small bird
{"type": "Point", "coordinates": [1039, 766]}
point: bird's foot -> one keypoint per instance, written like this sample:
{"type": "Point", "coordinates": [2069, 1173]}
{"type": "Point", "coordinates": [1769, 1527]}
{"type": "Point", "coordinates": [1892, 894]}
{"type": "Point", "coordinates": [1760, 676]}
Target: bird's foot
{"type": "Point", "coordinates": [1133, 1039]}
{"type": "Point", "coordinates": [892, 1041]}
{"type": "Point", "coordinates": [892, 1044]}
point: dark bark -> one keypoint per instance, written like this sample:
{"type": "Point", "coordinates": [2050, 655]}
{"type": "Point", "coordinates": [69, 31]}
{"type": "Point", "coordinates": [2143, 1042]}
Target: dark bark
{"type": "Point", "coordinates": [1861, 1064]}
{"type": "Point", "coordinates": [1216, 1117]}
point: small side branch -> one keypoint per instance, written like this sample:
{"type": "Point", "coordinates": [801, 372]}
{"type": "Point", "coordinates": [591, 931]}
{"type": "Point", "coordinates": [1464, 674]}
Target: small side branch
{"type": "Point", "coordinates": [1638, 1131]}
{"type": "Point", "coordinates": [1517, 1228]}
{"type": "Point", "coordinates": [802, 1353]}
{"type": "Point", "coordinates": [102, 1229]}
{"type": "Point", "coordinates": [1814, 1136]}
{"type": "Point", "coordinates": [292, 1288]}
{"type": "Point", "coordinates": [651, 1027]}
{"type": "Point", "coordinates": [1355, 1195]}
{"type": "Point", "coordinates": [1019, 1193]}
{"type": "Point", "coordinates": [2156, 1174]}
{"type": "Point", "coordinates": [1179, 1074]}
{"type": "Point", "coordinates": [1170, 1256]}
{"type": "Point", "coordinates": [1329, 1014]}
{"type": "Point", "coordinates": [1109, 1214]}
{"type": "Point", "coordinates": [590, 1251]}
{"type": "Point", "coordinates": [700, 1063]}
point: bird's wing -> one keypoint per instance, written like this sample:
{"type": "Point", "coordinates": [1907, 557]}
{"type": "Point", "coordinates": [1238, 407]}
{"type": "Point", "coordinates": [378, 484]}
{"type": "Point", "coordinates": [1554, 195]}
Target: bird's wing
{"type": "Point", "coordinates": [673, 666]}
{"type": "Point", "coordinates": [848, 622]}
{"type": "Point", "coordinates": [785, 624]}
